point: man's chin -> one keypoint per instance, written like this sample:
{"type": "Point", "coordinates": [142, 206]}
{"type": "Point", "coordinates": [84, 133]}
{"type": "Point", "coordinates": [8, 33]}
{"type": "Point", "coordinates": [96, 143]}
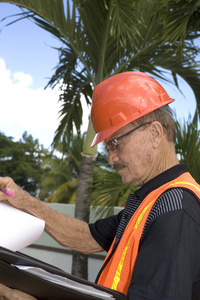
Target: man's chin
{"type": "Point", "coordinates": [125, 179]}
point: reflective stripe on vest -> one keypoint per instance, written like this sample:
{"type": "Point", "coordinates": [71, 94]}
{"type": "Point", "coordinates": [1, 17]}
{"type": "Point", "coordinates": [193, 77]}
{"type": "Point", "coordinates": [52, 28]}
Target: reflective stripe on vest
{"type": "Point", "coordinates": [118, 271]}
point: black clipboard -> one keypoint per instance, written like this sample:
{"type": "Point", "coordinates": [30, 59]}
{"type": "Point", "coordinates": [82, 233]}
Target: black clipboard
{"type": "Point", "coordinates": [40, 288]}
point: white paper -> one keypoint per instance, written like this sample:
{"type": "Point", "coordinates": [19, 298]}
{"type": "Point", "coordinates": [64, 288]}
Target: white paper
{"type": "Point", "coordinates": [18, 229]}
{"type": "Point", "coordinates": [60, 280]}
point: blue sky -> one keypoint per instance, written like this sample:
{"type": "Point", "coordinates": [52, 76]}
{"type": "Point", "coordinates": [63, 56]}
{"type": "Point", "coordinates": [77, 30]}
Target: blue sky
{"type": "Point", "coordinates": [27, 62]}
{"type": "Point", "coordinates": [26, 47]}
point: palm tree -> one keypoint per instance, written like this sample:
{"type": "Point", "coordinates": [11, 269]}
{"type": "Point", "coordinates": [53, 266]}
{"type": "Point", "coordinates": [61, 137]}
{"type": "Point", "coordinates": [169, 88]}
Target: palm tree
{"type": "Point", "coordinates": [102, 38]}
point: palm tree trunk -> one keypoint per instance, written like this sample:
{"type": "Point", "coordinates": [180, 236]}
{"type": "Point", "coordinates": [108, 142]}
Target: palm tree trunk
{"type": "Point", "coordinates": [82, 210]}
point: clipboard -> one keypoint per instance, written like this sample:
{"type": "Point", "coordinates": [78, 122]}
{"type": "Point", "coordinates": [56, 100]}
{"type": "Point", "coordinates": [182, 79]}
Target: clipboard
{"type": "Point", "coordinates": [43, 289]}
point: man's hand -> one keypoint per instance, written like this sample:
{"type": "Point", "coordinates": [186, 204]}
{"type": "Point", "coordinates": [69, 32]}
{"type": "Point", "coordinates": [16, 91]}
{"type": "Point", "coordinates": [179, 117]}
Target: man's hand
{"type": "Point", "coordinates": [20, 198]}
{"type": "Point", "coordinates": [10, 294]}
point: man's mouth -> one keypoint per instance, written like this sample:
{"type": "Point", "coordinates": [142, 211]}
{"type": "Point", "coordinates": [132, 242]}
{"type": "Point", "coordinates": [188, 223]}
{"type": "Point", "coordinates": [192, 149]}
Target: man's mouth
{"type": "Point", "coordinates": [118, 167]}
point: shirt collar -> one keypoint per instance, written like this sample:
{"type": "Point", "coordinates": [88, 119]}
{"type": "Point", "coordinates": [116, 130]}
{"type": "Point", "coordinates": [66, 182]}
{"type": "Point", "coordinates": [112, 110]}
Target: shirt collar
{"type": "Point", "coordinates": [161, 179]}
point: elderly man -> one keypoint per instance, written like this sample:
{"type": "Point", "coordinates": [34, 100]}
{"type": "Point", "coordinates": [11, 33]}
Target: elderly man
{"type": "Point", "coordinates": [154, 243]}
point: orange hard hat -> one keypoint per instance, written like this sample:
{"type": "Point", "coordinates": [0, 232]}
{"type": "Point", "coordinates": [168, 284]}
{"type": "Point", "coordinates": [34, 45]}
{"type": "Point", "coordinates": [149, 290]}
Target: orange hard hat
{"type": "Point", "coordinates": [123, 98]}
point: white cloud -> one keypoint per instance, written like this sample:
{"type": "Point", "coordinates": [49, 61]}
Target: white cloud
{"type": "Point", "coordinates": [26, 109]}
{"type": "Point", "coordinates": [22, 80]}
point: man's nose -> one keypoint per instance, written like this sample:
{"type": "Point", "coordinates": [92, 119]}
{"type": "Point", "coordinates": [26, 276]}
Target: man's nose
{"type": "Point", "coordinates": [112, 157]}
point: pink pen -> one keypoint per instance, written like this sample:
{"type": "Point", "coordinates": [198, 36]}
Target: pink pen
{"type": "Point", "coordinates": [5, 191]}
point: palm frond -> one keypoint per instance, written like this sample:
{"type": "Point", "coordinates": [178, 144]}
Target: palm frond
{"type": "Point", "coordinates": [182, 20]}
{"type": "Point", "coordinates": [65, 193]}
{"type": "Point", "coordinates": [113, 193]}
{"type": "Point", "coordinates": [188, 145]}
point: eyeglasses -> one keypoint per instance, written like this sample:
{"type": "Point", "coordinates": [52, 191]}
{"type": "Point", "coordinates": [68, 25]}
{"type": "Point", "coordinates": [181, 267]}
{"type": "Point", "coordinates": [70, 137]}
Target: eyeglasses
{"type": "Point", "coordinates": [112, 145]}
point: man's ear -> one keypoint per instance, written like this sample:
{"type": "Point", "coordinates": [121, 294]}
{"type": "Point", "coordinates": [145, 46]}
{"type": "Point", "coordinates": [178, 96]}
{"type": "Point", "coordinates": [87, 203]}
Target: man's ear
{"type": "Point", "coordinates": [156, 133]}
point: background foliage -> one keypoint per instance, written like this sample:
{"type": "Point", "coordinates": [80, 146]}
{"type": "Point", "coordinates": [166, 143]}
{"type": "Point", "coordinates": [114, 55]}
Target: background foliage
{"type": "Point", "coordinates": [22, 160]}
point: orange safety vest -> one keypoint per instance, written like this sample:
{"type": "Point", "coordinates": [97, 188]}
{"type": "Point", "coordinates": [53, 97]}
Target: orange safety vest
{"type": "Point", "coordinates": [118, 272]}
